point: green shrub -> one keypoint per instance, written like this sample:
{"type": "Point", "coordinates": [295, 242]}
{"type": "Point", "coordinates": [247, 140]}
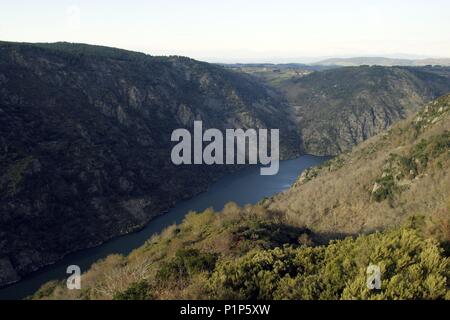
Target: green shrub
{"type": "Point", "coordinates": [399, 167]}
{"type": "Point", "coordinates": [412, 268]}
{"type": "Point", "coordinates": [136, 291]}
{"type": "Point", "coordinates": [186, 263]}
{"type": "Point", "coordinates": [431, 148]}
{"type": "Point", "coordinates": [255, 275]}
{"type": "Point", "coordinates": [386, 190]}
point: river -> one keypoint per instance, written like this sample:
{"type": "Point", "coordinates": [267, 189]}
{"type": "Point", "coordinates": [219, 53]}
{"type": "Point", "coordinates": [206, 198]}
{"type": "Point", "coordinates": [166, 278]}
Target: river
{"type": "Point", "coordinates": [244, 187]}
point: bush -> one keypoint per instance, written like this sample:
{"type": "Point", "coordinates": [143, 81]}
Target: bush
{"type": "Point", "coordinates": [412, 268]}
{"type": "Point", "coordinates": [386, 190]}
{"type": "Point", "coordinates": [186, 263]}
{"type": "Point", "coordinates": [136, 291]}
{"type": "Point", "coordinates": [432, 148]}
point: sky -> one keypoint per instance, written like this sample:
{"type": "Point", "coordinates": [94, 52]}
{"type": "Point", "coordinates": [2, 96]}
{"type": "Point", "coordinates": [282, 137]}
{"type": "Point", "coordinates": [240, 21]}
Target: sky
{"type": "Point", "coordinates": [239, 30]}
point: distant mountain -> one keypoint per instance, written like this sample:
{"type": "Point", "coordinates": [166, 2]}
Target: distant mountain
{"type": "Point", "coordinates": [381, 61]}
{"type": "Point", "coordinates": [85, 142]}
{"type": "Point", "coordinates": [273, 66]}
{"type": "Point", "coordinates": [275, 73]}
{"type": "Point", "coordinates": [434, 62]}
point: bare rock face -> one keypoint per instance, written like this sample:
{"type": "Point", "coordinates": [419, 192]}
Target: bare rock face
{"type": "Point", "coordinates": [85, 142]}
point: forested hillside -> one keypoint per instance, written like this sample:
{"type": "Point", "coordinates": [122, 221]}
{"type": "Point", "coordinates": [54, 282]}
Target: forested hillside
{"type": "Point", "coordinates": [85, 142]}
{"type": "Point", "coordinates": [314, 241]}
{"type": "Point", "coordinates": [339, 108]}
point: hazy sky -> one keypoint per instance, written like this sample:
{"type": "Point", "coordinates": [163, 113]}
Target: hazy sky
{"type": "Point", "coordinates": [238, 30]}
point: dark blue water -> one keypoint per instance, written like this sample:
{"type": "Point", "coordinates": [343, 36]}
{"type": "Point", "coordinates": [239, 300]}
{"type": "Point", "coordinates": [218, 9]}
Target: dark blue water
{"type": "Point", "coordinates": [243, 187]}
